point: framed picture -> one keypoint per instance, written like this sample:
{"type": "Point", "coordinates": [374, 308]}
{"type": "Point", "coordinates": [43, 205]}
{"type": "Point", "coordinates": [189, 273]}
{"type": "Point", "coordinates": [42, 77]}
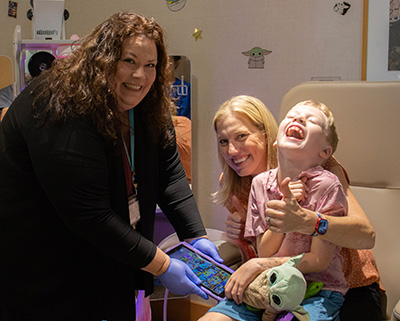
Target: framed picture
{"type": "Point", "coordinates": [383, 40]}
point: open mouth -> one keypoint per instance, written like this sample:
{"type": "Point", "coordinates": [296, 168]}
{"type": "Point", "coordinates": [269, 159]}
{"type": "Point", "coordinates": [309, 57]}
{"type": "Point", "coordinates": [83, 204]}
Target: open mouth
{"type": "Point", "coordinates": [131, 86]}
{"type": "Point", "coordinates": [295, 131]}
{"type": "Point", "coordinates": [239, 161]}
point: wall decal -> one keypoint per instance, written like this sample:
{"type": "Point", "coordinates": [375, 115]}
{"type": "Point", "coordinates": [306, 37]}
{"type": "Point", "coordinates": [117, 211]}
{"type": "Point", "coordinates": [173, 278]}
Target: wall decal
{"type": "Point", "coordinates": [342, 7]}
{"type": "Point", "coordinates": [175, 5]}
{"type": "Point", "coordinates": [12, 9]}
{"type": "Point", "coordinates": [256, 57]}
{"type": "Point", "coordinates": [197, 34]}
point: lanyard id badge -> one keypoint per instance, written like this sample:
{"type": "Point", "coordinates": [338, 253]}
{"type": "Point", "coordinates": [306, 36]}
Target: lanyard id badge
{"type": "Point", "coordinates": [134, 213]}
{"type": "Point", "coordinates": [133, 201]}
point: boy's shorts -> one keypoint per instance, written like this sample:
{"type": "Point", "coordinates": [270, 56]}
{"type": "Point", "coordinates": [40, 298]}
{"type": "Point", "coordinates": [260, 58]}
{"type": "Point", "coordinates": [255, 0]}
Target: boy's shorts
{"type": "Point", "coordinates": [324, 306]}
{"type": "Point", "coordinates": [238, 312]}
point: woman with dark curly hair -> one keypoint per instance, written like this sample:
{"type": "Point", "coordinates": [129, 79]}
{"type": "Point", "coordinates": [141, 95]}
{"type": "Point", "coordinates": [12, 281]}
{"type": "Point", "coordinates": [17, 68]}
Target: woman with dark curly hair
{"type": "Point", "coordinates": [87, 150]}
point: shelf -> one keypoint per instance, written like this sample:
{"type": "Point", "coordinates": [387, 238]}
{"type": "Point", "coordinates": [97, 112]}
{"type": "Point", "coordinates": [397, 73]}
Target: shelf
{"type": "Point", "coordinates": [20, 48]}
{"type": "Point", "coordinates": [44, 44]}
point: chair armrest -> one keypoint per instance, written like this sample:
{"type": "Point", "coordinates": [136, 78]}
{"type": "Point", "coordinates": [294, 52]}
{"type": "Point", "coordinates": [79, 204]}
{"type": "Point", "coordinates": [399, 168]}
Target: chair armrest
{"type": "Point", "coordinates": [396, 312]}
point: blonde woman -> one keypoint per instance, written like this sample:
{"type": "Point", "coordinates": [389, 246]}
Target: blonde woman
{"type": "Point", "coordinates": [242, 144]}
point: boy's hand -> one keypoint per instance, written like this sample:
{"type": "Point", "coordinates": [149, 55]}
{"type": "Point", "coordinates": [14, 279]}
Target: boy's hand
{"type": "Point", "coordinates": [286, 214]}
{"type": "Point", "coordinates": [245, 274]}
{"type": "Point", "coordinates": [299, 189]}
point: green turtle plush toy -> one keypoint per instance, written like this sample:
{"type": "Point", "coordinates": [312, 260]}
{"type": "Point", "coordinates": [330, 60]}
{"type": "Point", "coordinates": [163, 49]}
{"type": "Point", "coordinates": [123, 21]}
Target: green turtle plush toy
{"type": "Point", "coordinates": [281, 288]}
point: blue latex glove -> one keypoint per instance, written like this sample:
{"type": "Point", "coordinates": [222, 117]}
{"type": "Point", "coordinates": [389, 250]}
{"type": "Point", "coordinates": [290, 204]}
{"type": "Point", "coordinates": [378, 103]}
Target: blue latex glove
{"type": "Point", "coordinates": [181, 280]}
{"type": "Point", "coordinates": [207, 247]}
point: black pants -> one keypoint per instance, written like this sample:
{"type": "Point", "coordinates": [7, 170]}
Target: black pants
{"type": "Point", "coordinates": [362, 304]}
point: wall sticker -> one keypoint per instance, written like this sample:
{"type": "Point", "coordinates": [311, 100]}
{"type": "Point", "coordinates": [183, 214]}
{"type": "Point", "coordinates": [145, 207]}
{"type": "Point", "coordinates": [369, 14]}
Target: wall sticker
{"type": "Point", "coordinates": [342, 7]}
{"type": "Point", "coordinates": [256, 57]}
{"type": "Point", "coordinates": [197, 34]}
{"type": "Point", "coordinates": [175, 5]}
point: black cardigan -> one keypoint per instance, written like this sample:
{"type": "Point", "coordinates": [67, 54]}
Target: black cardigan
{"type": "Point", "coordinates": [66, 247]}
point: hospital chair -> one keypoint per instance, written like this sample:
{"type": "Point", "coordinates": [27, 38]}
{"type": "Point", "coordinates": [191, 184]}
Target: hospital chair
{"type": "Point", "coordinates": [367, 117]}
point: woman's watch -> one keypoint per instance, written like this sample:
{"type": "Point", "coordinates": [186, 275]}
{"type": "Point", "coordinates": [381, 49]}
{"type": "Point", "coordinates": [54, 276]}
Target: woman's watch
{"type": "Point", "coordinates": [321, 226]}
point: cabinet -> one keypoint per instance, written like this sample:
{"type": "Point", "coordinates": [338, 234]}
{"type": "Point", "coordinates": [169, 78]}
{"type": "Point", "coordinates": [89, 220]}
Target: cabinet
{"type": "Point", "coordinates": [20, 46]}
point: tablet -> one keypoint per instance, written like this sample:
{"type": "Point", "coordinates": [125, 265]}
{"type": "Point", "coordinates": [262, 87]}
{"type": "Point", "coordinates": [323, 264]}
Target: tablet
{"type": "Point", "coordinates": [213, 275]}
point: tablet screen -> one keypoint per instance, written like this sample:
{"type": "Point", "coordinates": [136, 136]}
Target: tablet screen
{"type": "Point", "coordinates": [212, 276]}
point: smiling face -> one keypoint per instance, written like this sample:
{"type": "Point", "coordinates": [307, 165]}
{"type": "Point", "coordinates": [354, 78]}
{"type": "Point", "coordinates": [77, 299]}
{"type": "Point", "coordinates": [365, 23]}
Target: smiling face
{"type": "Point", "coordinates": [304, 130]}
{"type": "Point", "coordinates": [242, 145]}
{"type": "Point", "coordinates": [136, 71]}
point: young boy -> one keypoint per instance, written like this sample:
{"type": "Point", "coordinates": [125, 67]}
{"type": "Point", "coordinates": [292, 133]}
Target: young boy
{"type": "Point", "coordinates": [306, 139]}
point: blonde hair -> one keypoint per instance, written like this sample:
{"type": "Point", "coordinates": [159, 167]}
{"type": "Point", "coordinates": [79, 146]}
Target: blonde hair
{"type": "Point", "coordinates": [332, 136]}
{"type": "Point", "coordinates": [254, 110]}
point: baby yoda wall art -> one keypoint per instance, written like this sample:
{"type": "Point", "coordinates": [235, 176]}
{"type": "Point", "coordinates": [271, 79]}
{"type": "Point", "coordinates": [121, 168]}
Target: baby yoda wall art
{"type": "Point", "coordinates": [256, 57]}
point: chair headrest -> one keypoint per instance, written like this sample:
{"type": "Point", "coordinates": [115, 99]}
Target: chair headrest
{"type": "Point", "coordinates": [367, 118]}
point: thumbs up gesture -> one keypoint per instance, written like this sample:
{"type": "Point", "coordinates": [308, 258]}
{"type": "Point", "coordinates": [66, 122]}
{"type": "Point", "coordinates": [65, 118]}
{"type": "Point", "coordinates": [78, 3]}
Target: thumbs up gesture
{"type": "Point", "coordinates": [236, 221]}
{"type": "Point", "coordinates": [286, 215]}
{"type": "Point", "coordinates": [235, 225]}
{"type": "Point", "coordinates": [299, 189]}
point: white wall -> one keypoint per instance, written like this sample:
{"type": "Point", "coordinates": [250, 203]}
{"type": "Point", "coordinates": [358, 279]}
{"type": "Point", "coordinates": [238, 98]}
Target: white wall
{"type": "Point", "coordinates": [7, 26]}
{"type": "Point", "coordinates": [307, 38]}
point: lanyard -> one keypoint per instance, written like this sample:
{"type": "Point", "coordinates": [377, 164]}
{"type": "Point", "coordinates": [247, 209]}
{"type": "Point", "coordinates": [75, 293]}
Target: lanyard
{"type": "Point", "coordinates": [131, 159]}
